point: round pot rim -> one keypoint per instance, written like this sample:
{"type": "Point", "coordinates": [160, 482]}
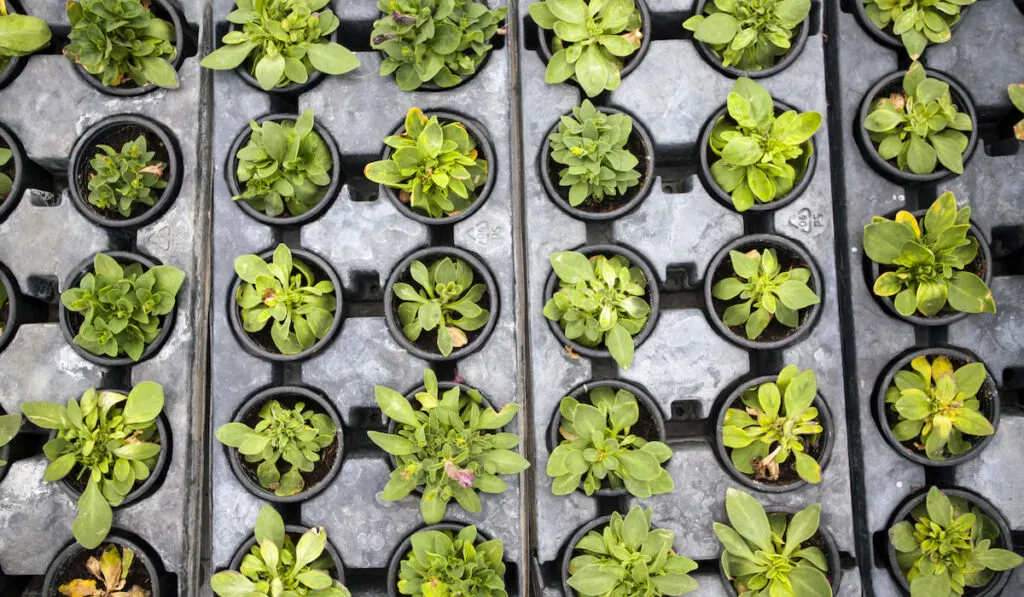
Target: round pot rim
{"type": "Point", "coordinates": [178, 22]}
{"type": "Point", "coordinates": [643, 190]}
{"type": "Point", "coordinates": [292, 88]}
{"type": "Point", "coordinates": [292, 529]}
{"type": "Point", "coordinates": [827, 439]}
{"type": "Point", "coordinates": [644, 399]}
{"type": "Point", "coordinates": [8, 281]}
{"type": "Point", "coordinates": [885, 36]}
{"type": "Point", "coordinates": [774, 241]}
{"type": "Point", "coordinates": [143, 553]}
{"type": "Point", "coordinates": [5, 454]}
{"type": "Point", "coordinates": [64, 314]}
{"type": "Point", "coordinates": [888, 303]}
{"type": "Point", "coordinates": [478, 132]}
{"type": "Point", "coordinates": [395, 563]}
{"type": "Point", "coordinates": [629, 63]}
{"type": "Point", "coordinates": [653, 297]}
{"type": "Point", "coordinates": [19, 182]}
{"type": "Point", "coordinates": [795, 49]}
{"type": "Point", "coordinates": [250, 345]}
{"type": "Point", "coordinates": [961, 98]}
{"type": "Point", "coordinates": [480, 272]}
{"type": "Point", "coordinates": [901, 363]}
{"type": "Point", "coordinates": [903, 512]}
{"type": "Point", "coordinates": [82, 151]}
{"type": "Point", "coordinates": [725, 199]}
{"type": "Point", "coordinates": [252, 404]}
{"type": "Point", "coordinates": [141, 490]}
{"type": "Point", "coordinates": [331, 190]}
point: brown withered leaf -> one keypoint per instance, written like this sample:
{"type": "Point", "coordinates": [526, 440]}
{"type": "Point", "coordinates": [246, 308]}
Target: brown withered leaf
{"type": "Point", "coordinates": [156, 169]}
{"type": "Point", "coordinates": [459, 338]}
{"type": "Point", "coordinates": [572, 353]}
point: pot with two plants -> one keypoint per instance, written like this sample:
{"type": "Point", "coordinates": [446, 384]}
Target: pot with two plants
{"type": "Point", "coordinates": [950, 541]}
{"type": "Point", "coordinates": [937, 407]}
{"type": "Point", "coordinates": [285, 444]}
{"type": "Point", "coordinates": [22, 35]}
{"type": "Point", "coordinates": [918, 127]}
{"type": "Point", "coordinates": [118, 308]}
{"type": "Point", "coordinates": [125, 172]}
{"type": "Point", "coordinates": [284, 169]}
{"type": "Point", "coordinates": [613, 313]}
{"type": "Point", "coordinates": [594, 415]}
{"type": "Point", "coordinates": [746, 169]}
{"type": "Point", "coordinates": [775, 433]}
{"type": "Point", "coordinates": [597, 163]}
{"type": "Point", "coordinates": [595, 47]}
{"type": "Point", "coordinates": [763, 292]}
{"type": "Point", "coordinates": [294, 557]}
{"type": "Point", "coordinates": [452, 558]}
{"type": "Point", "coordinates": [287, 312]}
{"type": "Point", "coordinates": [437, 167]}
{"type": "Point", "coordinates": [17, 173]}
{"type": "Point", "coordinates": [441, 303]}
{"type": "Point", "coordinates": [121, 565]}
{"type": "Point", "coordinates": [931, 267]}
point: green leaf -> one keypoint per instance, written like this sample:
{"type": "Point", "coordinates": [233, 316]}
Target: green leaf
{"type": "Point", "coordinates": [46, 415]}
{"type": "Point", "coordinates": [620, 345]}
{"type": "Point", "coordinates": [94, 518]}
{"type": "Point", "coordinates": [968, 293]}
{"type": "Point", "coordinates": [392, 444]}
{"type": "Point", "coordinates": [591, 71]}
{"type": "Point", "coordinates": [796, 295]}
{"type": "Point", "coordinates": [573, 11]}
{"type": "Point", "coordinates": [717, 28]}
{"type": "Point", "coordinates": [809, 581]}
{"type": "Point", "coordinates": [940, 509]}
{"type": "Point", "coordinates": [802, 526]}
{"type": "Point", "coordinates": [748, 518]}
{"type": "Point", "coordinates": [594, 579]}
{"type": "Point", "coordinates": [807, 467]}
{"type": "Point", "coordinates": [270, 70]}
{"type": "Point", "coordinates": [884, 239]}
{"type": "Point", "coordinates": [972, 422]}
{"type": "Point", "coordinates": [232, 584]}
{"type": "Point", "coordinates": [999, 559]}
{"type": "Point", "coordinates": [395, 406]}
{"type": "Point", "coordinates": [144, 404]}
{"type": "Point", "coordinates": [269, 526]}
{"type": "Point", "coordinates": [921, 156]}
{"type": "Point", "coordinates": [228, 56]}
{"type": "Point", "coordinates": [572, 267]}
{"type": "Point", "coordinates": [331, 58]}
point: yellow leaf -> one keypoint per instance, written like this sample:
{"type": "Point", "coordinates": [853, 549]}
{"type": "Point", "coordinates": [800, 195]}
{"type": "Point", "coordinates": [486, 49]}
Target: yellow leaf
{"type": "Point", "coordinates": [906, 218]}
{"type": "Point", "coordinates": [79, 588]}
{"type": "Point", "coordinates": [941, 366]}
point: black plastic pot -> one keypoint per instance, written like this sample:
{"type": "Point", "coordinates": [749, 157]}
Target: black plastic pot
{"type": "Point", "coordinates": [483, 142]}
{"type": "Point", "coordinates": [293, 89]}
{"type": "Point", "coordinates": [988, 397]}
{"type": "Point", "coordinates": [166, 10]}
{"type": "Point", "coordinates": [981, 266]}
{"type": "Point", "coordinates": [790, 254]}
{"type": "Point", "coordinates": [887, 37]}
{"type": "Point", "coordinates": [546, 38]}
{"type": "Point", "coordinates": [821, 451]}
{"type": "Point", "coordinates": [115, 131]}
{"type": "Point", "coordinates": [261, 345]}
{"type": "Point", "coordinates": [634, 258]}
{"type": "Point", "coordinates": [639, 144]}
{"type": "Point", "coordinates": [797, 44]}
{"type": "Point", "coordinates": [330, 191]}
{"type": "Point", "coordinates": [401, 274]}
{"type": "Point", "coordinates": [24, 173]}
{"type": "Point", "coordinates": [71, 322]}
{"type": "Point", "coordinates": [287, 396]}
{"type": "Point", "coordinates": [1004, 541]}
{"type": "Point", "coordinates": [61, 570]}
{"type": "Point", "coordinates": [644, 400]}
{"type": "Point", "coordinates": [893, 82]}
{"type": "Point", "coordinates": [141, 490]}
{"type": "Point", "coordinates": [293, 531]}
{"type": "Point", "coordinates": [19, 309]}
{"type": "Point", "coordinates": [716, 192]}
{"type": "Point", "coordinates": [403, 549]}
{"type": "Point", "coordinates": [14, 63]}
{"type": "Point", "coordinates": [824, 541]}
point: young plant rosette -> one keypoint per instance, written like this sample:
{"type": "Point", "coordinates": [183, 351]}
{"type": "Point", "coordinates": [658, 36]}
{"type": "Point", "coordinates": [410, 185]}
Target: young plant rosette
{"type": "Point", "coordinates": [763, 150]}
{"type": "Point", "coordinates": [911, 24]}
{"type": "Point", "coordinates": [938, 406]}
{"type": "Point", "coordinates": [605, 295]}
{"type": "Point", "coordinates": [118, 567]}
{"type": "Point", "coordinates": [950, 543]}
{"type": "Point", "coordinates": [776, 553]}
{"type": "Point", "coordinates": [930, 264]}
{"type": "Point", "coordinates": [283, 560]}
{"type": "Point", "coordinates": [777, 431]}
{"type": "Point", "coordinates": [108, 441]}
{"type": "Point", "coordinates": [623, 555]}
{"type": "Point", "coordinates": [450, 446]}
{"type": "Point", "coordinates": [448, 559]}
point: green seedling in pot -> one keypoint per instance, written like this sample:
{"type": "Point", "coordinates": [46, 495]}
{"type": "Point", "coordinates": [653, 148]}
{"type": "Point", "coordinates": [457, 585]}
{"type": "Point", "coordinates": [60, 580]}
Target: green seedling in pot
{"type": "Point", "coordinates": [127, 180]}
{"type": "Point", "coordinates": [916, 22]}
{"type": "Point", "coordinates": [446, 563]}
{"type": "Point", "coordinates": [20, 35]}
{"type": "Point", "coordinates": [750, 35]}
{"type": "Point", "coordinates": [111, 569]}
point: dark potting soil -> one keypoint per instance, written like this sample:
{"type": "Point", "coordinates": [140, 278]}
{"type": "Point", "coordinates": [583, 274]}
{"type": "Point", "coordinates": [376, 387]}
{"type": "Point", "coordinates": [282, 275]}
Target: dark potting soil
{"type": "Point", "coordinates": [609, 203]}
{"type": "Point", "coordinates": [75, 568]}
{"type": "Point", "coordinates": [787, 470]}
{"type": "Point", "coordinates": [116, 137]}
{"type": "Point", "coordinates": [321, 468]}
{"type": "Point", "coordinates": [978, 267]}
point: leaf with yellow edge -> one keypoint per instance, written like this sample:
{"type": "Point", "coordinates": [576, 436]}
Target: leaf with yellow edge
{"type": "Point", "coordinates": [941, 366]}
{"type": "Point", "coordinates": [908, 219]}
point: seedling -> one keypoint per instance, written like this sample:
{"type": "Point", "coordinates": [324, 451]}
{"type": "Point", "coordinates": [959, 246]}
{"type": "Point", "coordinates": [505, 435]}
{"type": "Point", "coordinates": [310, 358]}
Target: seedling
{"type": "Point", "coordinates": [435, 41]}
{"type": "Point", "coordinates": [111, 570]}
{"type": "Point", "coordinates": [592, 146]}
{"type": "Point", "coordinates": [599, 300]}
{"type": "Point", "coordinates": [126, 180]}
{"type": "Point", "coordinates": [122, 307]}
{"type": "Point", "coordinates": [761, 156]}
{"type": "Point", "coordinates": [121, 41]}
{"type": "Point", "coordinates": [916, 22]}
{"type": "Point", "coordinates": [925, 260]}
{"type": "Point", "coordinates": [302, 308]}
{"type": "Point", "coordinates": [597, 447]}
{"type": "Point", "coordinates": [107, 440]}
{"type": "Point", "coordinates": [948, 547]}
{"type": "Point", "coordinates": [435, 167]}
{"type": "Point", "coordinates": [20, 35]}
{"type": "Point", "coordinates": [282, 42]}
{"type": "Point", "coordinates": [921, 127]}
{"type": "Point", "coordinates": [451, 447]}
{"type": "Point", "coordinates": [761, 285]}
{"type": "Point", "coordinates": [444, 563]}
{"type": "Point", "coordinates": [750, 35]}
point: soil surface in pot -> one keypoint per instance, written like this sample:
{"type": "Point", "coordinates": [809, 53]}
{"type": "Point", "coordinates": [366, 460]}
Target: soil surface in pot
{"type": "Point", "coordinates": [427, 341]}
{"type": "Point", "coordinates": [321, 469]}
{"type": "Point", "coordinates": [116, 137]}
{"type": "Point", "coordinates": [635, 146]}
{"type": "Point", "coordinates": [787, 470]}
{"type": "Point", "coordinates": [75, 568]}
{"type": "Point", "coordinates": [775, 330]}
